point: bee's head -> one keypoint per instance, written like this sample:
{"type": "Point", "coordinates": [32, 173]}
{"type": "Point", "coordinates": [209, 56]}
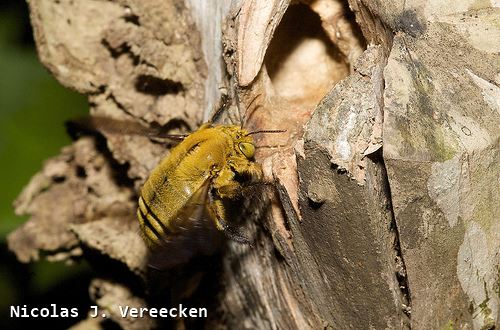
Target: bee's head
{"type": "Point", "coordinates": [246, 144]}
{"type": "Point", "coordinates": [247, 149]}
{"type": "Point", "coordinates": [244, 140]}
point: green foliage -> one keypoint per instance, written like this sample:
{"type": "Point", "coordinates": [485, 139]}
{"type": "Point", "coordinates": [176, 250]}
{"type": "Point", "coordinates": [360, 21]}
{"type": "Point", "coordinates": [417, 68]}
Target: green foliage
{"type": "Point", "coordinates": [33, 108]}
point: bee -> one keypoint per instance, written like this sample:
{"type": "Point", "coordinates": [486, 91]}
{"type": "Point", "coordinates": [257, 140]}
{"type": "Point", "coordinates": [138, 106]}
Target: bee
{"type": "Point", "coordinates": [182, 205]}
{"type": "Point", "coordinates": [191, 185]}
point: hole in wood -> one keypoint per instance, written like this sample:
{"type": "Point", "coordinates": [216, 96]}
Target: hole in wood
{"type": "Point", "coordinates": [302, 61]}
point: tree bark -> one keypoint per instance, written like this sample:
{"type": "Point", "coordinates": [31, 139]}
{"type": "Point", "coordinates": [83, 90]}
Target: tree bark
{"type": "Point", "coordinates": [387, 200]}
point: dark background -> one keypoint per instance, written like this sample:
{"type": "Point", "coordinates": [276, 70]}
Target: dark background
{"type": "Point", "coordinates": [33, 108]}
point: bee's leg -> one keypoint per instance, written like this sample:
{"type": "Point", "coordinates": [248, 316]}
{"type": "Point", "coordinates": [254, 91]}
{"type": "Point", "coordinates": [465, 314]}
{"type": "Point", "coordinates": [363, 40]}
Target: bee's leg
{"type": "Point", "coordinates": [233, 233]}
{"type": "Point", "coordinates": [224, 185]}
{"type": "Point", "coordinates": [250, 171]}
{"type": "Point", "coordinates": [216, 208]}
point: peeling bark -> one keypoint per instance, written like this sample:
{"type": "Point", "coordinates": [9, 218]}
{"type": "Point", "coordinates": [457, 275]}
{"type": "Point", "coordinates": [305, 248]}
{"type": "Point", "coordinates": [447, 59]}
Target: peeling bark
{"type": "Point", "coordinates": [387, 200]}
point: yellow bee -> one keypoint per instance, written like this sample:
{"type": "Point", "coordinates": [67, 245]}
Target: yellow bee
{"type": "Point", "coordinates": [210, 165]}
{"type": "Point", "coordinates": [185, 196]}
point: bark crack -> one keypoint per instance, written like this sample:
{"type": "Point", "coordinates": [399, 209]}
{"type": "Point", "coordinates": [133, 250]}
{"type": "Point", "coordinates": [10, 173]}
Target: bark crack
{"type": "Point", "coordinates": [399, 262]}
{"type": "Point", "coordinates": [400, 266]}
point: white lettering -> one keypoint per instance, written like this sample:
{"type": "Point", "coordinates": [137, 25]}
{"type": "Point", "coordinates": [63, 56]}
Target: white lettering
{"type": "Point", "coordinates": [142, 311]}
{"type": "Point", "coordinates": [153, 312]}
{"type": "Point", "coordinates": [182, 311]}
{"type": "Point", "coordinates": [14, 311]}
{"type": "Point", "coordinates": [33, 310]}
{"type": "Point", "coordinates": [164, 312]}
{"type": "Point", "coordinates": [203, 312]}
{"type": "Point", "coordinates": [54, 310]}
{"type": "Point", "coordinates": [94, 311]}
{"type": "Point", "coordinates": [25, 311]}
{"type": "Point", "coordinates": [123, 311]}
{"type": "Point", "coordinates": [74, 312]}
{"type": "Point", "coordinates": [133, 312]}
{"type": "Point", "coordinates": [44, 312]}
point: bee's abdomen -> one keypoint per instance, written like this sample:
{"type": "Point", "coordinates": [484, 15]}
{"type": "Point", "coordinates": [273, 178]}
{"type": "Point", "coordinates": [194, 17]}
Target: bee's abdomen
{"type": "Point", "coordinates": [152, 226]}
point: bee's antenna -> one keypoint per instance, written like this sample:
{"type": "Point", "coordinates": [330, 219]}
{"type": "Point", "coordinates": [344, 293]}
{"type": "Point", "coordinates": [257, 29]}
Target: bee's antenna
{"type": "Point", "coordinates": [267, 131]}
{"type": "Point", "coordinates": [238, 106]}
{"type": "Point", "coordinates": [224, 103]}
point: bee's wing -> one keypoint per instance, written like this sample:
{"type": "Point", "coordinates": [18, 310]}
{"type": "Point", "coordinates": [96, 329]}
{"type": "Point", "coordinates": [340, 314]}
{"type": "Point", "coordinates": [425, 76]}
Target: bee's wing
{"type": "Point", "coordinates": [196, 234]}
{"type": "Point", "coordinates": [114, 126]}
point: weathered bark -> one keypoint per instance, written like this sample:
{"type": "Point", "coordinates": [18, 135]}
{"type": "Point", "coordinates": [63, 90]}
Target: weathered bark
{"type": "Point", "coordinates": [387, 178]}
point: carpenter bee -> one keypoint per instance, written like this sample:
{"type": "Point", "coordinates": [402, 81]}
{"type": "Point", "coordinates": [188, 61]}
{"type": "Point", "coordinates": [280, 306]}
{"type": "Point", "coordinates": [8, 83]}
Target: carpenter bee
{"type": "Point", "coordinates": [182, 206]}
{"type": "Point", "coordinates": [185, 196]}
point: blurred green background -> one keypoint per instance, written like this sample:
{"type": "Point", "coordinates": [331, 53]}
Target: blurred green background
{"type": "Point", "coordinates": [33, 108]}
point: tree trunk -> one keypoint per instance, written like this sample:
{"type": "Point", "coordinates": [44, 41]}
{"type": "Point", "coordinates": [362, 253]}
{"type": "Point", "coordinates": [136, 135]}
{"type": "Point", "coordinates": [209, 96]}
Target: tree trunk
{"type": "Point", "coordinates": [387, 181]}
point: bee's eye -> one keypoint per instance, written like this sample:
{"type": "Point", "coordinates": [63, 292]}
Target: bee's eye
{"type": "Point", "coordinates": [248, 149]}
